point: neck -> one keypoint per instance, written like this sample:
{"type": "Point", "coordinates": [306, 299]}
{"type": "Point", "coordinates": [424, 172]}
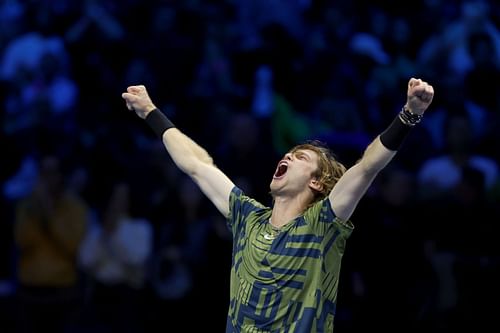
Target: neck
{"type": "Point", "coordinates": [286, 209]}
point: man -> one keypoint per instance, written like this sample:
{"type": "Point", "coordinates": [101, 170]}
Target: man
{"type": "Point", "coordinates": [286, 259]}
{"type": "Point", "coordinates": [114, 254]}
{"type": "Point", "coordinates": [50, 224]}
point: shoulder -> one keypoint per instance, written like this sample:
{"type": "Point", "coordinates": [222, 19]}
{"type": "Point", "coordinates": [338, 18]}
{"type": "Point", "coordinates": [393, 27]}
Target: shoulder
{"type": "Point", "coordinates": [238, 196]}
{"type": "Point", "coordinates": [322, 215]}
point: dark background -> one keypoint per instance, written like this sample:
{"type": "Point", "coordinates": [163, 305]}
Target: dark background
{"type": "Point", "coordinates": [247, 80]}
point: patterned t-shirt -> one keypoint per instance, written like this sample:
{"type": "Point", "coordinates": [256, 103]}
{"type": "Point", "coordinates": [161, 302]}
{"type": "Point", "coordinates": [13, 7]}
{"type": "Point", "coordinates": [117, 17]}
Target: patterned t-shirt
{"type": "Point", "coordinates": [284, 280]}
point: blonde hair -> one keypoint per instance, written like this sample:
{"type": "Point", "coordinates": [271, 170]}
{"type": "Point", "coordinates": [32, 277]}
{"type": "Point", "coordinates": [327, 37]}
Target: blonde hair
{"type": "Point", "coordinates": [329, 168]}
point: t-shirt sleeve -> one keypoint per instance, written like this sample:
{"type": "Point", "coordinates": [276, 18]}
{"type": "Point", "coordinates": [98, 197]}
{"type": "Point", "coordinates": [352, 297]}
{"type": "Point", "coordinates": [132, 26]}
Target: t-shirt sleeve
{"type": "Point", "coordinates": [322, 218]}
{"type": "Point", "coordinates": [240, 207]}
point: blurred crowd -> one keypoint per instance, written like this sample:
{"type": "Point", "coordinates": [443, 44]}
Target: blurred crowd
{"type": "Point", "coordinates": [100, 232]}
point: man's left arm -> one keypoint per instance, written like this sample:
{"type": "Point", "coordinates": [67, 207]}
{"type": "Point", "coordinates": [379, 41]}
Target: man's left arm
{"type": "Point", "coordinates": [351, 187]}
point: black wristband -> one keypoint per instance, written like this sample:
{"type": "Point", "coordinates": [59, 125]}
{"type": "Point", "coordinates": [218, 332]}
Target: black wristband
{"type": "Point", "coordinates": [158, 122]}
{"type": "Point", "coordinates": [394, 136]}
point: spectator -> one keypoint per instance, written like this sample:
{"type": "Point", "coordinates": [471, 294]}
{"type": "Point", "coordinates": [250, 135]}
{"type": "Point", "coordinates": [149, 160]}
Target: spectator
{"type": "Point", "coordinates": [50, 224]}
{"type": "Point", "coordinates": [115, 256]}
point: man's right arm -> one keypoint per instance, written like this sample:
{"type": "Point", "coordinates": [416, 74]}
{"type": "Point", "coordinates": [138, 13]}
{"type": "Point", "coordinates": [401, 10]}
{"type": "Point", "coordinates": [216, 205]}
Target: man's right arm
{"type": "Point", "coordinates": [186, 154]}
{"type": "Point", "coordinates": [197, 163]}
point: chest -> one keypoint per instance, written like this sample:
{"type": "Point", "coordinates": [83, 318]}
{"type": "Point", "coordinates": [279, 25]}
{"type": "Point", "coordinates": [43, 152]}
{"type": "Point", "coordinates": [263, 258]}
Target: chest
{"type": "Point", "coordinates": [273, 256]}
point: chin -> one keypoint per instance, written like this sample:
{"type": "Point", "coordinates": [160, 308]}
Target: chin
{"type": "Point", "coordinates": [273, 187]}
{"type": "Point", "coordinates": [276, 187]}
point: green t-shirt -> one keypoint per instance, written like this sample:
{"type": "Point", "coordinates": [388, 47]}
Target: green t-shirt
{"type": "Point", "coordinates": [284, 280]}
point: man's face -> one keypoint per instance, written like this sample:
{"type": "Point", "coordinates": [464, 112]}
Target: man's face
{"type": "Point", "coordinates": [294, 172]}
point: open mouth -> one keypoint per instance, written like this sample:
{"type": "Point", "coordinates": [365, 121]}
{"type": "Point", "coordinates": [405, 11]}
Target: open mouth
{"type": "Point", "coordinates": [281, 170]}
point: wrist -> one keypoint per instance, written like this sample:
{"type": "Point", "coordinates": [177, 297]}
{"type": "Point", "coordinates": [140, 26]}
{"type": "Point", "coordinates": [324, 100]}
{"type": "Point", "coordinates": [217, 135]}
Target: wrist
{"type": "Point", "coordinates": [408, 117]}
{"type": "Point", "coordinates": [158, 122]}
{"type": "Point", "coordinates": [148, 109]}
{"type": "Point", "coordinates": [394, 135]}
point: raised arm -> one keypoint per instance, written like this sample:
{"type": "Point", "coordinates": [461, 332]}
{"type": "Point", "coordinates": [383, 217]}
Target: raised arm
{"type": "Point", "coordinates": [186, 154]}
{"type": "Point", "coordinates": [356, 180]}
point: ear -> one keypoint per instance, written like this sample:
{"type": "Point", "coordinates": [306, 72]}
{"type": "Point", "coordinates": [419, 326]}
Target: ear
{"type": "Point", "coordinates": [315, 184]}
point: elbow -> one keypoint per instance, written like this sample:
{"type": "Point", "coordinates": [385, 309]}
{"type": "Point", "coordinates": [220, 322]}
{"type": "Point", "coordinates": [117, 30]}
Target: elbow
{"type": "Point", "coordinates": [196, 168]}
{"type": "Point", "coordinates": [207, 160]}
{"type": "Point", "coordinates": [189, 166]}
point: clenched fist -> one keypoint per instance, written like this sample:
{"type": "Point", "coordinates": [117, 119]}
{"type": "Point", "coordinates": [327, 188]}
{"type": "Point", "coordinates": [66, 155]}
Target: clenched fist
{"type": "Point", "coordinates": [138, 100]}
{"type": "Point", "coordinates": [419, 96]}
